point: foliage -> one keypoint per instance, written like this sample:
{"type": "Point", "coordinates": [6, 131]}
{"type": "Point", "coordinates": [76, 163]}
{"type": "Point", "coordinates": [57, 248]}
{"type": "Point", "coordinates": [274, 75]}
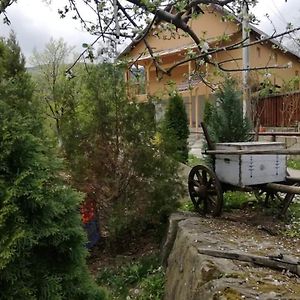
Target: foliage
{"type": "Point", "coordinates": [176, 126]}
{"type": "Point", "coordinates": [140, 280]}
{"type": "Point", "coordinates": [290, 84]}
{"type": "Point", "coordinates": [152, 287]}
{"type": "Point", "coordinates": [54, 88]}
{"type": "Point", "coordinates": [234, 200]}
{"type": "Point", "coordinates": [293, 163]}
{"type": "Point", "coordinates": [267, 88]}
{"type": "Point", "coordinates": [292, 229]}
{"type": "Point", "coordinates": [126, 20]}
{"type": "Point", "coordinates": [194, 160]}
{"type": "Point", "coordinates": [224, 119]}
{"type": "Point", "coordinates": [42, 254]}
{"type": "Point", "coordinates": [187, 205]}
{"type": "Point", "coordinates": [110, 144]}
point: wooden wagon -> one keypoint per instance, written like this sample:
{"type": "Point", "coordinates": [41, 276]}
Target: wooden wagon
{"type": "Point", "coordinates": [259, 167]}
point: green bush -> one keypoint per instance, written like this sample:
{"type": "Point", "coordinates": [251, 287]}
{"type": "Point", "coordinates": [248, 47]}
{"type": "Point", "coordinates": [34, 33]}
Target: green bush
{"type": "Point", "coordinates": [42, 253]}
{"type": "Point", "coordinates": [293, 163]}
{"type": "Point", "coordinates": [140, 280]}
{"type": "Point", "coordinates": [233, 200]}
{"type": "Point", "coordinates": [152, 287]}
{"type": "Point", "coordinates": [292, 228]}
{"type": "Point", "coordinates": [115, 156]}
{"type": "Point", "coordinates": [194, 160]}
{"type": "Point", "coordinates": [224, 119]}
{"type": "Point", "coordinates": [176, 126]}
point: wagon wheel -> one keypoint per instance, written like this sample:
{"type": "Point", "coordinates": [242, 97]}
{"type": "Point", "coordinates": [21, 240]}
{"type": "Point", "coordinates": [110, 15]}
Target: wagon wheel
{"type": "Point", "coordinates": [284, 199]}
{"type": "Point", "coordinates": [287, 201]}
{"type": "Point", "coordinates": [265, 197]}
{"type": "Point", "coordinates": [205, 191]}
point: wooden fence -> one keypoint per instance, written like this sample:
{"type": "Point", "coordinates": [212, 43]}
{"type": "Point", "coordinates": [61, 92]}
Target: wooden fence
{"type": "Point", "coordinates": [279, 110]}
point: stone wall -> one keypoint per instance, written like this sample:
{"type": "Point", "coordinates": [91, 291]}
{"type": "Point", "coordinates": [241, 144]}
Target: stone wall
{"type": "Point", "coordinates": [191, 275]}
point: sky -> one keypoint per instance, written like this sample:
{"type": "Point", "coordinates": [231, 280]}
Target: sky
{"type": "Point", "coordinates": [35, 22]}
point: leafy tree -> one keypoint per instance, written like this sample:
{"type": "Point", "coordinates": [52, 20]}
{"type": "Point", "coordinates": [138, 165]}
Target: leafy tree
{"type": "Point", "coordinates": [42, 254]}
{"type": "Point", "coordinates": [53, 86]}
{"type": "Point", "coordinates": [125, 20]}
{"type": "Point", "coordinates": [224, 119]}
{"type": "Point", "coordinates": [114, 156]}
{"type": "Point", "coordinates": [176, 125]}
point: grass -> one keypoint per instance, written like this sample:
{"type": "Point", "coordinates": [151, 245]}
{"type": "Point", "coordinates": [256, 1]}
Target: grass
{"type": "Point", "coordinates": [139, 280]}
{"type": "Point", "coordinates": [292, 229]}
{"type": "Point", "coordinates": [186, 205]}
{"type": "Point", "coordinates": [235, 200]}
{"type": "Point", "coordinates": [194, 160]}
{"type": "Point", "coordinates": [293, 164]}
{"type": "Point", "coordinates": [232, 200]}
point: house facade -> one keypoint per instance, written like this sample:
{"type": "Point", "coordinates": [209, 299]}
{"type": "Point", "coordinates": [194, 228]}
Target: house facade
{"type": "Point", "coordinates": [195, 79]}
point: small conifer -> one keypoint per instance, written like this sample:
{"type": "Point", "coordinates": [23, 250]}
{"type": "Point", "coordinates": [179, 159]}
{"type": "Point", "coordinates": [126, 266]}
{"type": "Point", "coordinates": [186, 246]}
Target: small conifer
{"type": "Point", "coordinates": [176, 124]}
{"type": "Point", "coordinates": [42, 253]}
{"type": "Point", "coordinates": [225, 119]}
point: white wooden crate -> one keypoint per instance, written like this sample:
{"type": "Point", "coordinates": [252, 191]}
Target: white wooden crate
{"type": "Point", "coordinates": [250, 169]}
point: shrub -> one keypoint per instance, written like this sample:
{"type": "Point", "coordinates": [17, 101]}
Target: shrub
{"type": "Point", "coordinates": [42, 254]}
{"type": "Point", "coordinates": [176, 126]}
{"type": "Point", "coordinates": [224, 119]}
{"type": "Point", "coordinates": [110, 143]}
{"type": "Point", "coordinates": [139, 280]}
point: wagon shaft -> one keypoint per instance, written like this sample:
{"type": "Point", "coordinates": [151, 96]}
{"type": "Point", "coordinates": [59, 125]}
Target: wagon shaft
{"type": "Point", "coordinates": [290, 189]}
{"type": "Point", "coordinates": [253, 152]}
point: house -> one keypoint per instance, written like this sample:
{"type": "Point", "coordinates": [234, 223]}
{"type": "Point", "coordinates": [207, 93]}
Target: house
{"type": "Point", "coordinates": [218, 31]}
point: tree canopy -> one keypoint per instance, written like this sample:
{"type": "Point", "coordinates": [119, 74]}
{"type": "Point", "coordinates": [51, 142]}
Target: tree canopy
{"type": "Point", "coordinates": [113, 22]}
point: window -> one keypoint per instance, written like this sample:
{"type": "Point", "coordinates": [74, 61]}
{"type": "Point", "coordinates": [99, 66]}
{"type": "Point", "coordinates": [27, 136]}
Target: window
{"type": "Point", "coordinates": [258, 52]}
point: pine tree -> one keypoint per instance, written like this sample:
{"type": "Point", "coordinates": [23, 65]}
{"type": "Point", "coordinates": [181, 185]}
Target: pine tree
{"type": "Point", "coordinates": [224, 119]}
{"type": "Point", "coordinates": [42, 254]}
{"type": "Point", "coordinates": [176, 125]}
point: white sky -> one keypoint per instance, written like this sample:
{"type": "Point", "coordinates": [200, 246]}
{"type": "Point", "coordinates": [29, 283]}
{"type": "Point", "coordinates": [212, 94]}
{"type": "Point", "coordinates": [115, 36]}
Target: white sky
{"type": "Point", "coordinates": [35, 22]}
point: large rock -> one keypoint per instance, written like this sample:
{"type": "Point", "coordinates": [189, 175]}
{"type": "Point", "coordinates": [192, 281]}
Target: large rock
{"type": "Point", "coordinates": [194, 276]}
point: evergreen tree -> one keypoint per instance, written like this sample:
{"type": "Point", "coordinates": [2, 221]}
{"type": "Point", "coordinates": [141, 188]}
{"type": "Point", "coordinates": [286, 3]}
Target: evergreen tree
{"type": "Point", "coordinates": [42, 254]}
{"type": "Point", "coordinates": [176, 125]}
{"type": "Point", "coordinates": [115, 157]}
{"type": "Point", "coordinates": [224, 119]}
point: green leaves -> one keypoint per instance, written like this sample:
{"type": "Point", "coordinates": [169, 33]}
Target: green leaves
{"type": "Point", "coordinates": [176, 127]}
{"type": "Point", "coordinates": [42, 254]}
{"type": "Point", "coordinates": [109, 143]}
{"type": "Point", "coordinates": [225, 119]}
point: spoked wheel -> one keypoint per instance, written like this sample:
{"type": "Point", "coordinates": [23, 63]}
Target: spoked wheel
{"type": "Point", "coordinates": [283, 200]}
{"type": "Point", "coordinates": [205, 191]}
{"type": "Point", "coordinates": [287, 201]}
{"type": "Point", "coordinates": [268, 197]}
{"type": "Point", "coordinates": [265, 196]}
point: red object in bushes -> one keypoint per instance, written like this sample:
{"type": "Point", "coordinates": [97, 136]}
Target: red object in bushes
{"type": "Point", "coordinates": [87, 210]}
{"type": "Point", "coordinates": [262, 129]}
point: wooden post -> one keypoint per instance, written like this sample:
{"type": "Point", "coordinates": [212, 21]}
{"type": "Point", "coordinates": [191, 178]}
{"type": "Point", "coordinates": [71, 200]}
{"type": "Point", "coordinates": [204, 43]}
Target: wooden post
{"type": "Point", "coordinates": [197, 108]}
{"type": "Point", "coordinates": [190, 96]}
{"type": "Point", "coordinates": [147, 79]}
{"type": "Point", "coordinates": [210, 144]}
{"type": "Point", "coordinates": [191, 108]}
{"type": "Point", "coordinates": [126, 82]}
{"type": "Point", "coordinates": [281, 262]}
